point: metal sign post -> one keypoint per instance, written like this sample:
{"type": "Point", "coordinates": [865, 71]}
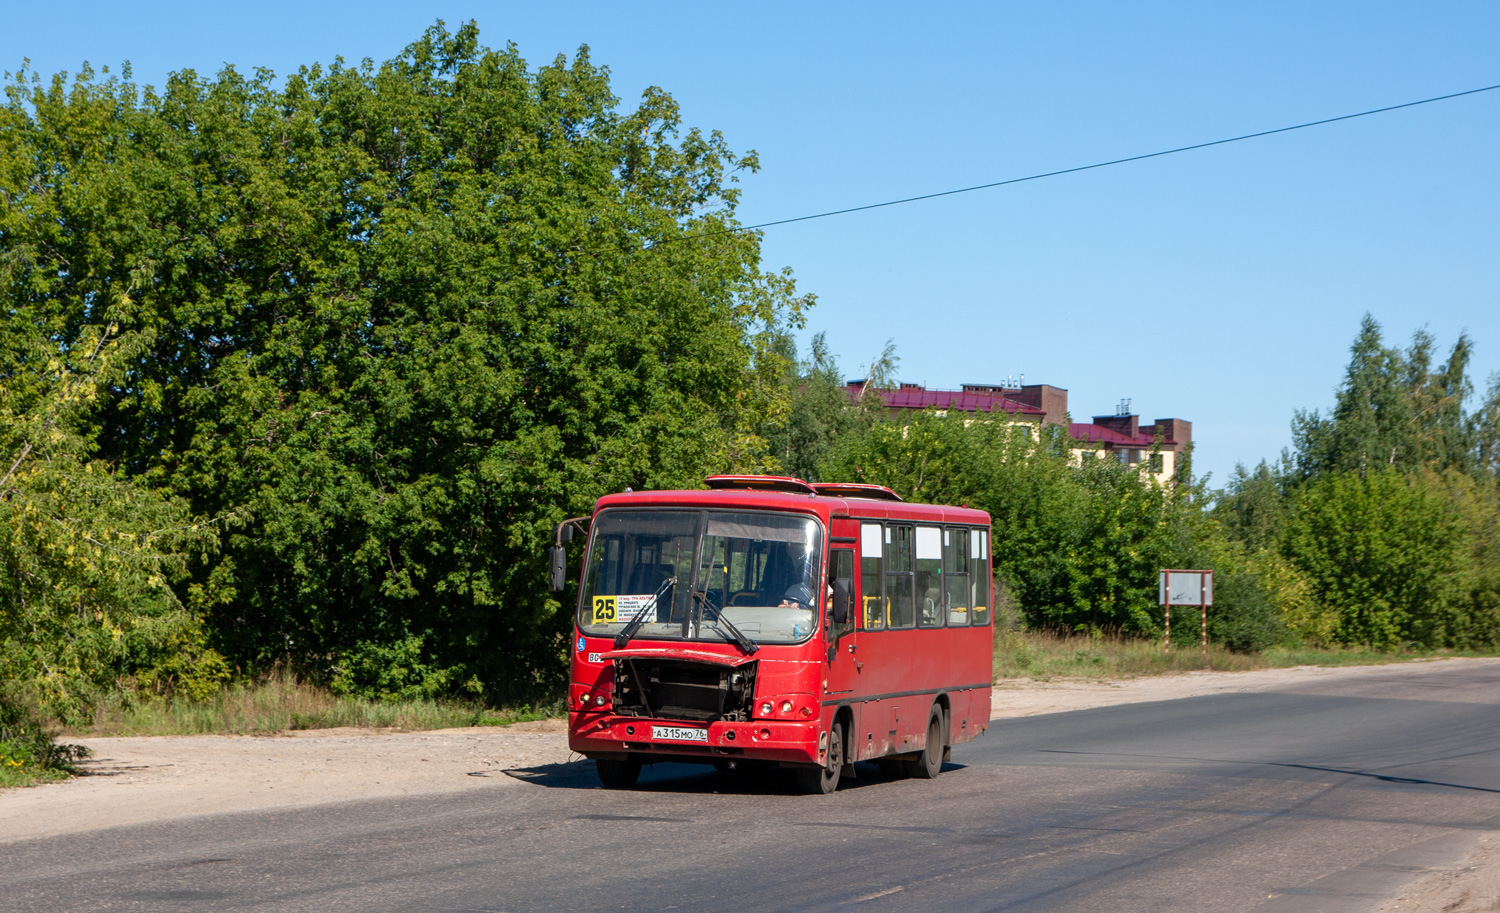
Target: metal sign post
{"type": "Point", "coordinates": [1185, 588]}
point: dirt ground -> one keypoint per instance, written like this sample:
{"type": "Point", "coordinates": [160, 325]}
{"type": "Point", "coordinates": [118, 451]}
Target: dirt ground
{"type": "Point", "coordinates": [137, 780]}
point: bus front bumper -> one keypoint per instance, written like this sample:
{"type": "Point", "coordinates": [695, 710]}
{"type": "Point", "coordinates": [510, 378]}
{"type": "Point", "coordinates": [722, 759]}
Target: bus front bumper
{"type": "Point", "coordinates": [595, 735]}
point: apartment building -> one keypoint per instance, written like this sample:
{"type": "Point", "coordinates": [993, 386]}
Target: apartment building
{"type": "Point", "coordinates": [1120, 436]}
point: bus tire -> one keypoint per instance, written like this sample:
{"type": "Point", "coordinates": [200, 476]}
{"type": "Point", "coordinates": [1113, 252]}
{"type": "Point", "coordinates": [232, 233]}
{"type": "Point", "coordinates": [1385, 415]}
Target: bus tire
{"type": "Point", "coordinates": [618, 774]}
{"type": "Point", "coordinates": [820, 781]}
{"type": "Point", "coordinates": [930, 762]}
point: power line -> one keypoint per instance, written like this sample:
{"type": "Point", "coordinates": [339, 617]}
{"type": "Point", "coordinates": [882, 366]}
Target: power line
{"type": "Point", "coordinates": [1053, 174]}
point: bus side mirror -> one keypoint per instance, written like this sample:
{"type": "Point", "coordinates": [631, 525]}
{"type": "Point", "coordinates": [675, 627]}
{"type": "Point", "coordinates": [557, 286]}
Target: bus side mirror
{"type": "Point", "coordinates": [841, 602]}
{"type": "Point", "coordinates": [557, 577]}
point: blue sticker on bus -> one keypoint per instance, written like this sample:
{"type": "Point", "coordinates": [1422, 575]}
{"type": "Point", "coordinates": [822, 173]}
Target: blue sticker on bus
{"type": "Point", "coordinates": [580, 643]}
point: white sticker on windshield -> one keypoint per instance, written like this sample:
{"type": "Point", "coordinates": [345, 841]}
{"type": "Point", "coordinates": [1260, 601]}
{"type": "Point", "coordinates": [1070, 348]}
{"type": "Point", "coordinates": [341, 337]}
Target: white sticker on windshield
{"type": "Point", "coordinates": [628, 607]}
{"type": "Point", "coordinates": [869, 540]}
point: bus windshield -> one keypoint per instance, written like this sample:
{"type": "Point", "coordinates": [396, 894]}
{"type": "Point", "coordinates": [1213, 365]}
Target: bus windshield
{"type": "Point", "coordinates": [755, 569]}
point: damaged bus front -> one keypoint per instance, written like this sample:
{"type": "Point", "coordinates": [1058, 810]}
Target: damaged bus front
{"type": "Point", "coordinates": [695, 633]}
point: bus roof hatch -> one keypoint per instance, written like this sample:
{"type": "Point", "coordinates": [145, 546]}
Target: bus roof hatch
{"type": "Point", "coordinates": [855, 490]}
{"type": "Point", "coordinates": [761, 483]}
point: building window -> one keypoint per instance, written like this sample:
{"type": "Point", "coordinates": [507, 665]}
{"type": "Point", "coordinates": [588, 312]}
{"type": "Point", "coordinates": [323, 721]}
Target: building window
{"type": "Point", "coordinates": [1156, 462]}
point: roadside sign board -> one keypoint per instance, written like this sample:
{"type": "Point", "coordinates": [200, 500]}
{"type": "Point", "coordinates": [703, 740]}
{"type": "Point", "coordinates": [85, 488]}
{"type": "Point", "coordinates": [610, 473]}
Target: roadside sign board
{"type": "Point", "coordinates": [1186, 588]}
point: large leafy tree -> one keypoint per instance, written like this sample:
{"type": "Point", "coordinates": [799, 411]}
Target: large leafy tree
{"type": "Point", "coordinates": [402, 319]}
{"type": "Point", "coordinates": [820, 413]}
{"type": "Point", "coordinates": [86, 555]}
{"type": "Point", "coordinates": [1382, 550]}
{"type": "Point", "coordinates": [1394, 409]}
{"type": "Point", "coordinates": [1252, 505]}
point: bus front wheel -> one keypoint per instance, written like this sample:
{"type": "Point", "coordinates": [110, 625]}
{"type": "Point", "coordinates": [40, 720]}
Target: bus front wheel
{"type": "Point", "coordinates": [930, 762]}
{"type": "Point", "coordinates": [824, 780]}
{"type": "Point", "coordinates": [618, 774]}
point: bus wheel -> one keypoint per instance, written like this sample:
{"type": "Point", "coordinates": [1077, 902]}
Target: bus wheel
{"type": "Point", "coordinates": [930, 762]}
{"type": "Point", "coordinates": [824, 780]}
{"type": "Point", "coordinates": [618, 774]}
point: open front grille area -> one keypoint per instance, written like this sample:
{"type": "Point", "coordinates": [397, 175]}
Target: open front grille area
{"type": "Point", "coordinates": [674, 689]}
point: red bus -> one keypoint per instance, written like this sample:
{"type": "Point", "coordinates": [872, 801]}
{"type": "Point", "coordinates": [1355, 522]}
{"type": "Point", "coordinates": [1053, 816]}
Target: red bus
{"type": "Point", "coordinates": [768, 619]}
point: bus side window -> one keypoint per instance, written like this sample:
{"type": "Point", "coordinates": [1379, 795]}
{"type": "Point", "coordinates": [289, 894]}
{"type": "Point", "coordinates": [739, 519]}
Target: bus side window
{"type": "Point", "coordinates": [929, 576]}
{"type": "Point", "coordinates": [898, 577]}
{"type": "Point", "coordinates": [872, 599]}
{"type": "Point", "coordinates": [956, 575]}
{"type": "Point", "coordinates": [979, 574]}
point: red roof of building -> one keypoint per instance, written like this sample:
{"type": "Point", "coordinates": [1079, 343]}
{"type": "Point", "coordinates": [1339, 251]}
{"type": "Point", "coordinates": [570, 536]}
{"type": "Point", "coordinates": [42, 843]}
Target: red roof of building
{"type": "Point", "coordinates": [920, 398]}
{"type": "Point", "coordinates": [1098, 434]}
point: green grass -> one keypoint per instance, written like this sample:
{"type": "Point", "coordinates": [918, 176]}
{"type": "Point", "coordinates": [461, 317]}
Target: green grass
{"type": "Point", "coordinates": [281, 703]}
{"type": "Point", "coordinates": [28, 774]}
{"type": "Point", "coordinates": [31, 757]}
{"type": "Point", "coordinates": [1044, 655]}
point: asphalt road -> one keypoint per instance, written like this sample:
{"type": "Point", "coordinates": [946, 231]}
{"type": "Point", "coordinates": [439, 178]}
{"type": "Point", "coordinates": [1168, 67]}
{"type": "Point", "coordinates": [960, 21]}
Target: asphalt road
{"type": "Point", "coordinates": [1321, 799]}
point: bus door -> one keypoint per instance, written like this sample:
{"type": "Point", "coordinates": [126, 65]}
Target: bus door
{"type": "Point", "coordinates": [844, 663]}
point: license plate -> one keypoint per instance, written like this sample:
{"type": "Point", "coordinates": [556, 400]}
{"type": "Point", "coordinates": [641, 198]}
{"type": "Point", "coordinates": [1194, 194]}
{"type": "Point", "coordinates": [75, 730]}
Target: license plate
{"type": "Point", "coordinates": [679, 734]}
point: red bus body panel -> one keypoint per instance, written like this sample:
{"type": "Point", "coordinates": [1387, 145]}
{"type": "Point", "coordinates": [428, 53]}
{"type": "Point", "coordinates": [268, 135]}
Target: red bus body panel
{"type": "Point", "coordinates": [886, 686]}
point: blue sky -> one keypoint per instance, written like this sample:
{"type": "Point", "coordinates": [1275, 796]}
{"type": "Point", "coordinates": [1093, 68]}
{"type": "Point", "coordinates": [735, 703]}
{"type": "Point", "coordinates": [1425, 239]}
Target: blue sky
{"type": "Point", "coordinates": [1222, 286]}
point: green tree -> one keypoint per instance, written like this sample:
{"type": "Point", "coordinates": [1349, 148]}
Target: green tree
{"type": "Point", "coordinates": [1473, 500]}
{"type": "Point", "coordinates": [86, 556]}
{"type": "Point", "coordinates": [819, 411]}
{"type": "Point", "coordinates": [402, 319]}
{"type": "Point", "coordinates": [1252, 505]}
{"type": "Point", "coordinates": [1486, 424]}
{"type": "Point", "coordinates": [1442, 436]}
{"type": "Point", "coordinates": [1371, 414]}
{"type": "Point", "coordinates": [1393, 410]}
{"type": "Point", "coordinates": [1383, 551]}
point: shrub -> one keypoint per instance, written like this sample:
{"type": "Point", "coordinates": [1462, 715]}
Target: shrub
{"type": "Point", "coordinates": [1382, 551]}
{"type": "Point", "coordinates": [27, 749]}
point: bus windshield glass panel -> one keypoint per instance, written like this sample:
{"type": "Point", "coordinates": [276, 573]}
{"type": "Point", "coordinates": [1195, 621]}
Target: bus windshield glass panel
{"type": "Point", "coordinates": [758, 570]}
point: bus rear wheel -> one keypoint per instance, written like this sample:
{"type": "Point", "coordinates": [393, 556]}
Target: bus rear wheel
{"type": "Point", "coordinates": [824, 780]}
{"type": "Point", "coordinates": [618, 774]}
{"type": "Point", "coordinates": [930, 762]}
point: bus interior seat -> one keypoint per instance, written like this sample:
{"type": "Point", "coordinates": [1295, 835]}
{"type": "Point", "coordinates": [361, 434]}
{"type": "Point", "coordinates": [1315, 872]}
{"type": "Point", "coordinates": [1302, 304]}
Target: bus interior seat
{"type": "Point", "coordinates": [647, 578]}
{"type": "Point", "coordinates": [932, 603]}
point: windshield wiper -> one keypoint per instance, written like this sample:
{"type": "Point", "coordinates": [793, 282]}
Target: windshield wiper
{"type": "Point", "coordinates": [727, 629]}
{"type": "Point", "coordinates": [623, 638]}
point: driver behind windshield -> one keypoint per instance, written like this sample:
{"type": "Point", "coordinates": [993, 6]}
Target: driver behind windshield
{"type": "Point", "coordinates": [796, 575]}
{"type": "Point", "coordinates": [797, 596]}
